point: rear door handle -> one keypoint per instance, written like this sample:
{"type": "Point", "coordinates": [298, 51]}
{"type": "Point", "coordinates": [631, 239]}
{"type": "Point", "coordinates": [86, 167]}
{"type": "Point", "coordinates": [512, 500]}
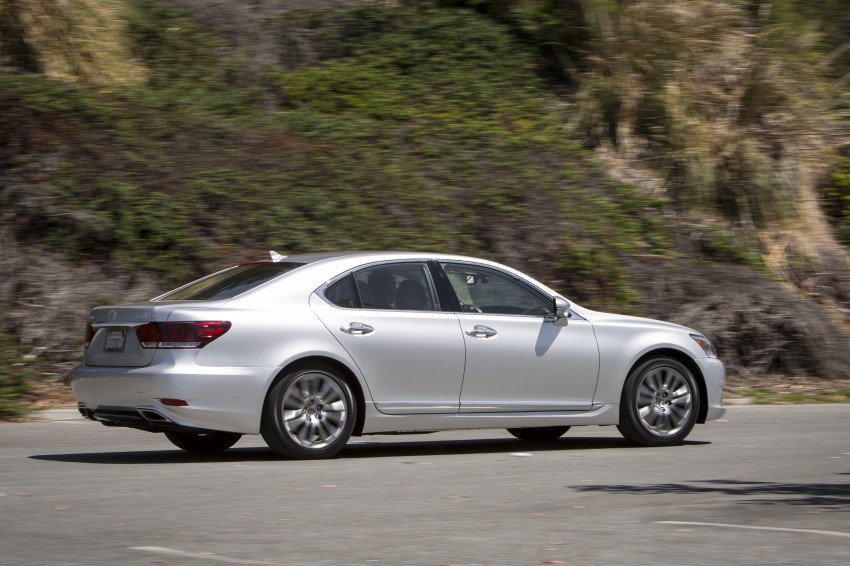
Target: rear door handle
{"type": "Point", "coordinates": [357, 329]}
{"type": "Point", "coordinates": [481, 331]}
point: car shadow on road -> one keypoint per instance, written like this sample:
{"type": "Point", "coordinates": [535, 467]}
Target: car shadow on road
{"type": "Point", "coordinates": [389, 448]}
{"type": "Point", "coordinates": [386, 447]}
{"type": "Point", "coordinates": [829, 496]}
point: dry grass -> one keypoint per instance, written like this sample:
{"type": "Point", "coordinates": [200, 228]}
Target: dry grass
{"type": "Point", "coordinates": [731, 118]}
{"type": "Point", "coordinates": [702, 92]}
{"type": "Point", "coordinates": [784, 390]}
{"type": "Point", "coordinates": [75, 41]}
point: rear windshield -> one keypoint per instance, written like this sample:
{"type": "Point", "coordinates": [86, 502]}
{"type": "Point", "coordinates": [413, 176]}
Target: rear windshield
{"type": "Point", "coordinates": [231, 282]}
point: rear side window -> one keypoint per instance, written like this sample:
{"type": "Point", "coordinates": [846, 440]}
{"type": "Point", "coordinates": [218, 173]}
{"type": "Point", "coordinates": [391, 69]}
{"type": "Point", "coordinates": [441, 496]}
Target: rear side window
{"type": "Point", "coordinates": [399, 286]}
{"type": "Point", "coordinates": [231, 282]}
{"type": "Point", "coordinates": [342, 293]}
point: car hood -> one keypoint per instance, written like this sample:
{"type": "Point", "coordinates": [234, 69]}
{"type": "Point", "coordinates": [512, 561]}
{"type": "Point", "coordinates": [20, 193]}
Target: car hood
{"type": "Point", "coordinates": [597, 317]}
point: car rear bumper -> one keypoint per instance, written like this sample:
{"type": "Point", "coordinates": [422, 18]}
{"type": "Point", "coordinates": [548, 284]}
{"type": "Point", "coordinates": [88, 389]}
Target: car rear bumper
{"type": "Point", "coordinates": [714, 372]}
{"type": "Point", "coordinates": [217, 398]}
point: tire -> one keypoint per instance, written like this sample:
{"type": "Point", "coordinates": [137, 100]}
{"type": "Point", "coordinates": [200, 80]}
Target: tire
{"type": "Point", "coordinates": [309, 414]}
{"type": "Point", "coordinates": [660, 403]}
{"type": "Point", "coordinates": [539, 433]}
{"type": "Point", "coordinates": [203, 442]}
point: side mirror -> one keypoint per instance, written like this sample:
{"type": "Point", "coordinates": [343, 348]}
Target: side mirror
{"type": "Point", "coordinates": [562, 311]}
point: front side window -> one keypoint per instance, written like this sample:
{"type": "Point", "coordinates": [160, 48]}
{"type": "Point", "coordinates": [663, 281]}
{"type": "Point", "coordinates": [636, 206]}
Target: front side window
{"type": "Point", "coordinates": [480, 289]}
{"type": "Point", "coordinates": [399, 286]}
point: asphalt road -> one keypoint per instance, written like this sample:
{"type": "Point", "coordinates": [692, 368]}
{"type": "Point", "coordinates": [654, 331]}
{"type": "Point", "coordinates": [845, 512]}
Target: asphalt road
{"type": "Point", "coordinates": [766, 485]}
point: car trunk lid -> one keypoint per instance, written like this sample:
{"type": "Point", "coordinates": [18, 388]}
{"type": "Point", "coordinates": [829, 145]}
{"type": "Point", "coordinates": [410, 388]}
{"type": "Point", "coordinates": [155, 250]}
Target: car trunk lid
{"type": "Point", "coordinates": [112, 340]}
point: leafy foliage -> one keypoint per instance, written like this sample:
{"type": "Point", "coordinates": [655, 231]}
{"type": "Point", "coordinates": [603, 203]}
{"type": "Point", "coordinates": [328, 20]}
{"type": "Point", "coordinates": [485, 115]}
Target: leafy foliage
{"type": "Point", "coordinates": [823, 25]}
{"type": "Point", "coordinates": [413, 127]}
{"type": "Point", "coordinates": [14, 378]}
{"type": "Point", "coordinates": [837, 201]}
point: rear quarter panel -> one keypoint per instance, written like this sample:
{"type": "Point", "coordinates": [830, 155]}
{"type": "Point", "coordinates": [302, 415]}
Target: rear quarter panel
{"type": "Point", "coordinates": [270, 333]}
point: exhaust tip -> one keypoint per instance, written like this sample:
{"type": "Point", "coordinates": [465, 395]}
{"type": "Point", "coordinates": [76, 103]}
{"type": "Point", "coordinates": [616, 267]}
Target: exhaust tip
{"type": "Point", "coordinates": [152, 416]}
{"type": "Point", "coordinates": [86, 413]}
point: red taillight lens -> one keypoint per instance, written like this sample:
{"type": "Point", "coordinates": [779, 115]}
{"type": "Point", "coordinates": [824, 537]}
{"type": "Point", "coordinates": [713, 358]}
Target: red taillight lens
{"type": "Point", "coordinates": [148, 335]}
{"type": "Point", "coordinates": [180, 334]}
{"type": "Point", "coordinates": [90, 332]}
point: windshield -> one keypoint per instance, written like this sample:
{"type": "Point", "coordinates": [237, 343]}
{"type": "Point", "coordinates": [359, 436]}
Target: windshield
{"type": "Point", "coordinates": [230, 282]}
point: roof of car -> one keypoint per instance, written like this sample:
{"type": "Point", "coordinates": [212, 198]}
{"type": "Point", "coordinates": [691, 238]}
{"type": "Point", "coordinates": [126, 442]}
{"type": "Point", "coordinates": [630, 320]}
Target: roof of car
{"type": "Point", "coordinates": [312, 257]}
{"type": "Point", "coordinates": [322, 262]}
{"type": "Point", "coordinates": [377, 254]}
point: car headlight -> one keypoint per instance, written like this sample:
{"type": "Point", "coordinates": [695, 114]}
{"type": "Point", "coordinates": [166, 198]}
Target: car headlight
{"type": "Point", "coordinates": [705, 344]}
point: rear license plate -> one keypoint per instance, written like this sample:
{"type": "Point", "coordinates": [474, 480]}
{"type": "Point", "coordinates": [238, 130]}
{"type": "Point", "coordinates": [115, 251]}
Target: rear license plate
{"type": "Point", "coordinates": [115, 340]}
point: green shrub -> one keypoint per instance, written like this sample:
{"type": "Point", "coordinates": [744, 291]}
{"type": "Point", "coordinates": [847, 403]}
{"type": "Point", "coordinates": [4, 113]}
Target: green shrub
{"type": "Point", "coordinates": [837, 199]}
{"type": "Point", "coordinates": [412, 127]}
{"type": "Point", "coordinates": [14, 379]}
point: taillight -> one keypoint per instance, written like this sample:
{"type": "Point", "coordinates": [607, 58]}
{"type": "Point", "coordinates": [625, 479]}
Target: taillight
{"type": "Point", "coordinates": [180, 334]}
{"type": "Point", "coordinates": [90, 332]}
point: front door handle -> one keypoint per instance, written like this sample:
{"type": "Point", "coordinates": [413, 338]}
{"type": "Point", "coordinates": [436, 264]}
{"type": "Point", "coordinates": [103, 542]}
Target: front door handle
{"type": "Point", "coordinates": [481, 331]}
{"type": "Point", "coordinates": [357, 329]}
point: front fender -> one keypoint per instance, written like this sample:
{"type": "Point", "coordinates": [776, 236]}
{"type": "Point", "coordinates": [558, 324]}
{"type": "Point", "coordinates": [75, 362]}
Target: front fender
{"type": "Point", "coordinates": [622, 346]}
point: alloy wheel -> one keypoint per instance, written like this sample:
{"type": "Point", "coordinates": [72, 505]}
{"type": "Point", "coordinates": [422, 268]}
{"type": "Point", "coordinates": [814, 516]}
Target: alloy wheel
{"type": "Point", "coordinates": [314, 410]}
{"type": "Point", "coordinates": [664, 401]}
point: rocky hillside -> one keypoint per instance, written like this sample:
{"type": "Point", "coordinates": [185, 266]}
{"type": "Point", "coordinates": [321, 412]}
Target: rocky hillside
{"type": "Point", "coordinates": [675, 160]}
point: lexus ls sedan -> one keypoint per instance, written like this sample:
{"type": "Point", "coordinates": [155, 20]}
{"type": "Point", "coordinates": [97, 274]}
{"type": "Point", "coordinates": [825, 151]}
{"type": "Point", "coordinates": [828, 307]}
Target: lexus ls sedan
{"type": "Point", "coordinates": [309, 350]}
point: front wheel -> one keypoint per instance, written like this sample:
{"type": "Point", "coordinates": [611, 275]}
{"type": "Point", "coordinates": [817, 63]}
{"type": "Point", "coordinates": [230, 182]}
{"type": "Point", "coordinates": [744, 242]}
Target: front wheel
{"type": "Point", "coordinates": [539, 433]}
{"type": "Point", "coordinates": [660, 403]}
{"type": "Point", "coordinates": [309, 414]}
{"type": "Point", "coordinates": [203, 442]}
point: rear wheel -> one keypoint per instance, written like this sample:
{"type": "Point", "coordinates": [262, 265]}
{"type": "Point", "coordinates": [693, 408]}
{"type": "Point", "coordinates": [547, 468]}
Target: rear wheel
{"type": "Point", "coordinates": [539, 433]}
{"type": "Point", "coordinates": [203, 442]}
{"type": "Point", "coordinates": [309, 414]}
{"type": "Point", "coordinates": [660, 403]}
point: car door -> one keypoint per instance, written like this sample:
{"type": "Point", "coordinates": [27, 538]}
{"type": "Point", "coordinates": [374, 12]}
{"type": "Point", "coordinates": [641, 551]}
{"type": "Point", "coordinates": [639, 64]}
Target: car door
{"type": "Point", "coordinates": [388, 318]}
{"type": "Point", "coordinates": [517, 359]}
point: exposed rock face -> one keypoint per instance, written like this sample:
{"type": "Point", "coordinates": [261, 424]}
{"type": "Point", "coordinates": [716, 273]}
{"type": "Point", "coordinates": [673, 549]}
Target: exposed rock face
{"type": "Point", "coordinates": [760, 326]}
{"type": "Point", "coordinates": [46, 299]}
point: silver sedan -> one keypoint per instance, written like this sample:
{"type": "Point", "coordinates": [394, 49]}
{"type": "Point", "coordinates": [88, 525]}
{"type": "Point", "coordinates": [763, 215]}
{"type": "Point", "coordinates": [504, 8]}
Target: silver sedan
{"type": "Point", "coordinates": [309, 350]}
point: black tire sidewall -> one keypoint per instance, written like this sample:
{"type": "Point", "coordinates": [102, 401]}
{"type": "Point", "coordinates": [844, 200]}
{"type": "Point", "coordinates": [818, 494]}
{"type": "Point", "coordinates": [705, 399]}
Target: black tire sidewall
{"type": "Point", "coordinates": [274, 432]}
{"type": "Point", "coordinates": [631, 426]}
{"type": "Point", "coordinates": [203, 443]}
